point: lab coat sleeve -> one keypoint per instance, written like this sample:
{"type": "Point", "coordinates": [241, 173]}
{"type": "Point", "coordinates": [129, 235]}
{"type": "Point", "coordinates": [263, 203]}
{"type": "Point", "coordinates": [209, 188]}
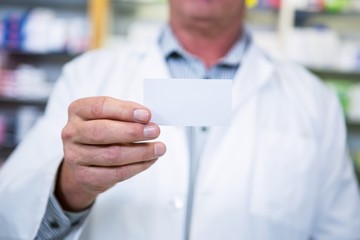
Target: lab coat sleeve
{"type": "Point", "coordinates": [27, 178]}
{"type": "Point", "coordinates": [338, 211]}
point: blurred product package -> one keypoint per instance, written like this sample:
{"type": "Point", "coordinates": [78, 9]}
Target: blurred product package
{"type": "Point", "coordinates": [7, 128]}
{"type": "Point", "coordinates": [2, 34]}
{"type": "Point", "coordinates": [26, 117]}
{"type": "Point", "coordinates": [2, 129]}
{"type": "Point", "coordinates": [275, 4]}
{"type": "Point", "coordinates": [313, 5]}
{"type": "Point", "coordinates": [15, 125]}
{"type": "Point", "coordinates": [42, 30]}
{"type": "Point", "coordinates": [348, 92]}
{"type": "Point", "coordinates": [328, 5]}
{"type": "Point", "coordinates": [323, 48]}
{"type": "Point", "coordinates": [354, 95]}
{"type": "Point", "coordinates": [25, 82]}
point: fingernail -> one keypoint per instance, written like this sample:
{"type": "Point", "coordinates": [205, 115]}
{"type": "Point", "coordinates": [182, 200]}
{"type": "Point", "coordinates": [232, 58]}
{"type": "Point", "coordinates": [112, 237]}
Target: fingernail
{"type": "Point", "coordinates": [151, 131]}
{"type": "Point", "coordinates": [141, 115]}
{"type": "Point", "coordinates": [159, 149]}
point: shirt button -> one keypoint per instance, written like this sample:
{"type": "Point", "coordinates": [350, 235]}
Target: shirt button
{"type": "Point", "coordinates": [75, 223]}
{"type": "Point", "coordinates": [177, 203]}
{"type": "Point", "coordinates": [204, 129]}
{"type": "Point", "coordinates": [54, 224]}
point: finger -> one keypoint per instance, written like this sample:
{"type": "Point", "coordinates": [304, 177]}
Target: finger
{"type": "Point", "coordinates": [109, 108]}
{"type": "Point", "coordinates": [118, 155]}
{"type": "Point", "coordinates": [97, 132]}
{"type": "Point", "coordinates": [99, 179]}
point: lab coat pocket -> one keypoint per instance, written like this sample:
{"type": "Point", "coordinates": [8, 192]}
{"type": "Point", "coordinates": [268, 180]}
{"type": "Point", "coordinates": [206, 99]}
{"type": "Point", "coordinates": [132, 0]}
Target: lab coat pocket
{"type": "Point", "coordinates": [282, 188]}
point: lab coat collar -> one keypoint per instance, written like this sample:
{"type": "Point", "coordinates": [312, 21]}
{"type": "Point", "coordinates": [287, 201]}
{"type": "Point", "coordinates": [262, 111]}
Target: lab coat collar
{"type": "Point", "coordinates": [250, 78]}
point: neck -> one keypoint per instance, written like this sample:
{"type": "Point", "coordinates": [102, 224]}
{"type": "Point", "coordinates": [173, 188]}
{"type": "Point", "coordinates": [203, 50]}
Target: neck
{"type": "Point", "coordinates": [208, 43]}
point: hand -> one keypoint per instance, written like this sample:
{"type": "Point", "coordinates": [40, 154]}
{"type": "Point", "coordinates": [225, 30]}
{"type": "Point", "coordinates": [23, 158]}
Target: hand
{"type": "Point", "coordinates": [103, 145]}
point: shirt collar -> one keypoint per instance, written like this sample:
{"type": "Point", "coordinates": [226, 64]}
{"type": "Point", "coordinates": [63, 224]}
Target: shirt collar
{"type": "Point", "coordinates": [169, 46]}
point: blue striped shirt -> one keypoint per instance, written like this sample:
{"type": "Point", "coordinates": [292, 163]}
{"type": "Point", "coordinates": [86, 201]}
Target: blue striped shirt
{"type": "Point", "coordinates": [182, 64]}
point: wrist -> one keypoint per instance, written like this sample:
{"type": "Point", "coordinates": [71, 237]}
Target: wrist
{"type": "Point", "coordinates": [69, 193]}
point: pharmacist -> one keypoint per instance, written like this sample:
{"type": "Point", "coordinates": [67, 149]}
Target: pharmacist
{"type": "Point", "coordinates": [279, 171]}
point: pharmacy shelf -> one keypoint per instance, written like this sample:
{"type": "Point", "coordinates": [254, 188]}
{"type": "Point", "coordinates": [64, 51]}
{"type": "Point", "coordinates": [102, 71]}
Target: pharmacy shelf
{"type": "Point", "coordinates": [336, 74]}
{"type": "Point", "coordinates": [13, 102]}
{"type": "Point", "coordinates": [302, 17]}
{"type": "Point", "coordinates": [50, 62]}
{"type": "Point", "coordinates": [138, 2]}
{"type": "Point", "coordinates": [328, 13]}
{"type": "Point", "coordinates": [128, 7]}
{"type": "Point", "coordinates": [5, 152]}
{"type": "Point", "coordinates": [52, 56]}
{"type": "Point", "coordinates": [353, 126]}
{"type": "Point", "coordinates": [123, 8]}
{"type": "Point", "coordinates": [347, 23]}
{"type": "Point", "coordinates": [67, 4]}
{"type": "Point", "coordinates": [40, 54]}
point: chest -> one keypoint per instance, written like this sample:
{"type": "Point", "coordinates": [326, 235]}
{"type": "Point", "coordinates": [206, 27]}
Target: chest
{"type": "Point", "coordinates": [250, 177]}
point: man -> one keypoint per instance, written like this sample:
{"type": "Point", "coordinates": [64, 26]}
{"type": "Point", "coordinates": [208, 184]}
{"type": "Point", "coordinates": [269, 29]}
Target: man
{"type": "Point", "coordinates": [279, 171]}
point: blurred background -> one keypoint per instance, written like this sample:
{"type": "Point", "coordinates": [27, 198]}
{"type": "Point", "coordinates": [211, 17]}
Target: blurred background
{"type": "Point", "coordinates": [38, 36]}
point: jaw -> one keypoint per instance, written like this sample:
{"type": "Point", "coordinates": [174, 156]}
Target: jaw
{"type": "Point", "coordinates": [206, 16]}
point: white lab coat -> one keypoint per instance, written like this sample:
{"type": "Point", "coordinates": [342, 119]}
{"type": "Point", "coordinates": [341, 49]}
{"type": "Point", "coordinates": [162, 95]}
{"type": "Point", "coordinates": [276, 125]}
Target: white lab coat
{"type": "Point", "coordinates": [280, 171]}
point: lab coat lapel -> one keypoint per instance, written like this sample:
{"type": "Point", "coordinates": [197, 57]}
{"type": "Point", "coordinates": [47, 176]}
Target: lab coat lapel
{"type": "Point", "coordinates": [254, 72]}
{"type": "Point", "coordinates": [153, 64]}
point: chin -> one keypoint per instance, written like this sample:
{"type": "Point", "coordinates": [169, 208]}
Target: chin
{"type": "Point", "coordinates": [204, 10]}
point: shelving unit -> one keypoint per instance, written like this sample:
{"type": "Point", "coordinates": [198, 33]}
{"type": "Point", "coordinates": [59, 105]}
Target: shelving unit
{"type": "Point", "coordinates": [342, 22]}
{"type": "Point", "coordinates": [11, 106]}
{"type": "Point", "coordinates": [11, 103]}
{"type": "Point", "coordinates": [16, 109]}
{"type": "Point", "coordinates": [69, 4]}
{"type": "Point", "coordinates": [22, 110]}
{"type": "Point", "coordinates": [331, 73]}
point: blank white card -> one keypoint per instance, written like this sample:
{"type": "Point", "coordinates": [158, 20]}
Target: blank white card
{"type": "Point", "coordinates": [189, 102]}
